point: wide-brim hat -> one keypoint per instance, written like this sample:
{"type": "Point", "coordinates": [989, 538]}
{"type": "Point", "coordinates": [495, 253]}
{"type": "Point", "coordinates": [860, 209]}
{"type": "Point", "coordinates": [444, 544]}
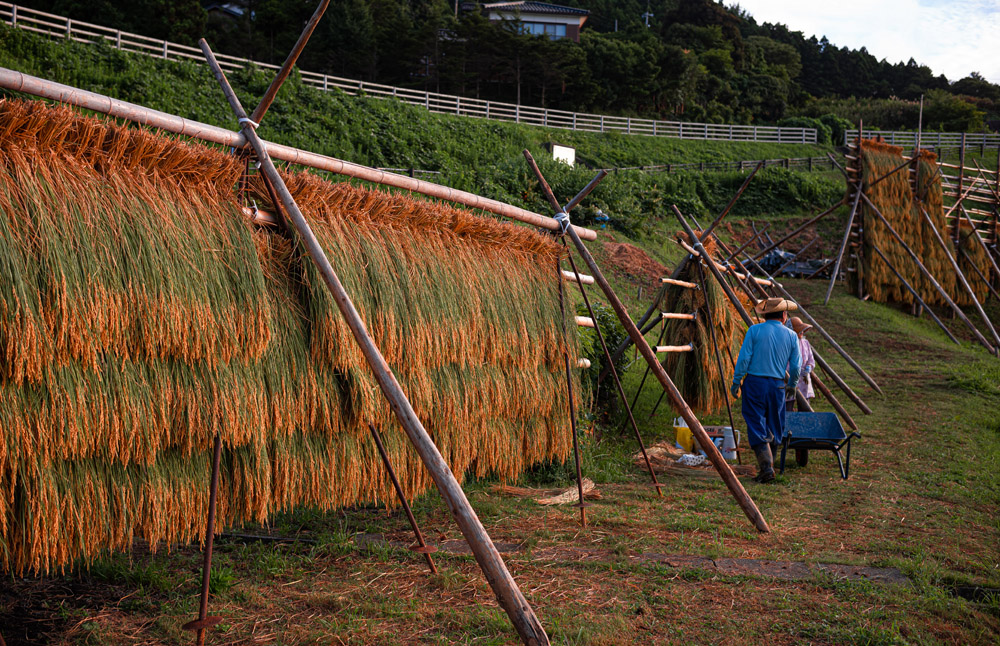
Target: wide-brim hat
{"type": "Point", "coordinates": [799, 325]}
{"type": "Point", "coordinates": [772, 305]}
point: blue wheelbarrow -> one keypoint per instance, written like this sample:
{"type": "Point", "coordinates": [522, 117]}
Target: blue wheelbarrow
{"type": "Point", "coordinates": [817, 432]}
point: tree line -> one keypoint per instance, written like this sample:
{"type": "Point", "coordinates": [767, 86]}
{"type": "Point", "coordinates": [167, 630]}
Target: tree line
{"type": "Point", "coordinates": [697, 60]}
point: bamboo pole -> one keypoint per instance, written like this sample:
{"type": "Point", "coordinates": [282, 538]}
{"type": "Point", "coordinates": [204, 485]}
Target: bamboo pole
{"type": "Point", "coordinates": [822, 331]}
{"type": "Point", "coordinates": [581, 503]}
{"type": "Point", "coordinates": [832, 374]}
{"type": "Point", "coordinates": [508, 595]}
{"type": "Point", "coordinates": [912, 291]}
{"type": "Point", "coordinates": [982, 277]}
{"type": "Point", "coordinates": [675, 348]}
{"type": "Point", "coordinates": [749, 242]}
{"type": "Point", "coordinates": [961, 276]}
{"type": "Point", "coordinates": [800, 228]}
{"type": "Point", "coordinates": [955, 308]}
{"type": "Point", "coordinates": [18, 82]}
{"type": "Point", "coordinates": [833, 401]}
{"type": "Point", "coordinates": [720, 464]}
{"type": "Point", "coordinates": [679, 283]}
{"type": "Point", "coordinates": [286, 68]}
{"type": "Point", "coordinates": [843, 246]}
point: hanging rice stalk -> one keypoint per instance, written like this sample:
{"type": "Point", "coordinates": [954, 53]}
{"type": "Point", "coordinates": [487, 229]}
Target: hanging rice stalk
{"type": "Point", "coordinates": [141, 315]}
{"type": "Point", "coordinates": [696, 373]}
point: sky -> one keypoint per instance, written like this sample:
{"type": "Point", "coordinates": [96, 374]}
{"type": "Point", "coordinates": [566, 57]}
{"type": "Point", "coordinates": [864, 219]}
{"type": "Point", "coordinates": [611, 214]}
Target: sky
{"type": "Point", "coordinates": [952, 37]}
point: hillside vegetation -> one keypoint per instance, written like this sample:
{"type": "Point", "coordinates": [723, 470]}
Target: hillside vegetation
{"type": "Point", "coordinates": [471, 154]}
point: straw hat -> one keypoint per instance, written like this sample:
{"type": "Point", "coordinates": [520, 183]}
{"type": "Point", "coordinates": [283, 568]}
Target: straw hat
{"type": "Point", "coordinates": [799, 325]}
{"type": "Point", "coordinates": [775, 305]}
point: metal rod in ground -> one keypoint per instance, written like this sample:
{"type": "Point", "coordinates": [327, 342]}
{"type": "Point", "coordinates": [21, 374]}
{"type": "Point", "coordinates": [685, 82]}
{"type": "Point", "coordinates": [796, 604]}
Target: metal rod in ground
{"type": "Point", "coordinates": [819, 328]}
{"type": "Point", "coordinates": [508, 595]}
{"type": "Point", "coordinates": [961, 276]}
{"type": "Point", "coordinates": [913, 292]}
{"type": "Point", "coordinates": [421, 546]}
{"type": "Point", "coordinates": [572, 407]}
{"type": "Point", "coordinates": [286, 68]}
{"type": "Point", "coordinates": [799, 229]}
{"type": "Point", "coordinates": [843, 246]}
{"type": "Point", "coordinates": [614, 374]}
{"type": "Point", "coordinates": [204, 622]}
{"type": "Point", "coordinates": [718, 361]}
{"type": "Point", "coordinates": [944, 294]}
{"type": "Point", "coordinates": [725, 472]}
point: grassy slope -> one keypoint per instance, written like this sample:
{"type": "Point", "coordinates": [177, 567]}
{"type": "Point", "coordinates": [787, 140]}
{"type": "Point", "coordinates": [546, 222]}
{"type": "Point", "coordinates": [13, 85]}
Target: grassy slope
{"type": "Point", "coordinates": [922, 497]}
{"type": "Point", "coordinates": [472, 154]}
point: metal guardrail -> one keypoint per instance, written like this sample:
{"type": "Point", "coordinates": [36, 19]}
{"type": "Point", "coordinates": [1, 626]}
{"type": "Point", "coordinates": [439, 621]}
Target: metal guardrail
{"type": "Point", "coordinates": [929, 140]}
{"type": "Point", "coordinates": [49, 24]}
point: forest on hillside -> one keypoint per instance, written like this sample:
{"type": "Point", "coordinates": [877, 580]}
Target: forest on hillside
{"type": "Point", "coordinates": [698, 60]}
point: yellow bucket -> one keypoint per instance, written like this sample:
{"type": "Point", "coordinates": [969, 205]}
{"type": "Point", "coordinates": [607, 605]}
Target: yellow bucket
{"type": "Point", "coordinates": [683, 434]}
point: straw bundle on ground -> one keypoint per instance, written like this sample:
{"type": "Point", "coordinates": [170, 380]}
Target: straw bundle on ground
{"type": "Point", "coordinates": [141, 315]}
{"type": "Point", "coordinates": [696, 373]}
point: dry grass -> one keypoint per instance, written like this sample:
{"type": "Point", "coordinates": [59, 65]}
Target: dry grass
{"type": "Point", "coordinates": [141, 315]}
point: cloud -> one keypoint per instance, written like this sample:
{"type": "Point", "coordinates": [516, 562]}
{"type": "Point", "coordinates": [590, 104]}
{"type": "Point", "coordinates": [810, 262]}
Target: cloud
{"type": "Point", "coordinates": [952, 37]}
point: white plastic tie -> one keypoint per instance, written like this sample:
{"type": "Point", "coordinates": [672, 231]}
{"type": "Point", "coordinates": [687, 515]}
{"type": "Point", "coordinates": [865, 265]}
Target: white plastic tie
{"type": "Point", "coordinates": [246, 121]}
{"type": "Point", "coordinates": [562, 217]}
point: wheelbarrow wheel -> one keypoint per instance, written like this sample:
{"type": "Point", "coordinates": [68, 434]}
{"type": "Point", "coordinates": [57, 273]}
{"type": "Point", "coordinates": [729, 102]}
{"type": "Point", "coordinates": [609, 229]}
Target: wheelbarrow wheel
{"type": "Point", "coordinates": [801, 457]}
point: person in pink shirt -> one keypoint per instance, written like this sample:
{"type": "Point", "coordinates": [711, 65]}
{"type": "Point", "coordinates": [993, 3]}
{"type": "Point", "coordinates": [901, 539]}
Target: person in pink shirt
{"type": "Point", "coordinates": [804, 386]}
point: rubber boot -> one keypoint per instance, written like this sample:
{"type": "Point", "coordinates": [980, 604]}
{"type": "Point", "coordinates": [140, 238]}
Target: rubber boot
{"type": "Point", "coordinates": [765, 463]}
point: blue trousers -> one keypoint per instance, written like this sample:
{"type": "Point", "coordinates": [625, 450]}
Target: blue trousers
{"type": "Point", "coordinates": [764, 409]}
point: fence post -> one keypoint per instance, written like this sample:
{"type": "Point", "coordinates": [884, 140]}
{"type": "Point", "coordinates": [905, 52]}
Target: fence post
{"type": "Point", "coordinates": [326, 83]}
{"type": "Point", "coordinates": [545, 116]}
{"type": "Point", "coordinates": [810, 164]}
{"type": "Point", "coordinates": [574, 121]}
{"type": "Point", "coordinates": [706, 131]}
{"type": "Point", "coordinates": [165, 46]}
{"type": "Point", "coordinates": [118, 39]}
{"type": "Point", "coordinates": [602, 123]}
{"type": "Point", "coordinates": [13, 15]}
{"type": "Point", "coordinates": [427, 100]}
{"type": "Point", "coordinates": [517, 113]}
{"type": "Point", "coordinates": [69, 27]}
{"type": "Point", "coordinates": [731, 137]}
{"type": "Point", "coordinates": [628, 125]}
{"type": "Point", "coordinates": [755, 133]}
{"type": "Point", "coordinates": [680, 131]}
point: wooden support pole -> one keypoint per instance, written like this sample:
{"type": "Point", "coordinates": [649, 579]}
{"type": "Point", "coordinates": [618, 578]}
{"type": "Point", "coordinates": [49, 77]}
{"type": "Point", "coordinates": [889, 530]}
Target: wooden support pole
{"type": "Point", "coordinates": [913, 256]}
{"type": "Point", "coordinates": [843, 246]}
{"type": "Point", "coordinates": [820, 386]}
{"type": "Point", "coordinates": [800, 228]}
{"type": "Point", "coordinates": [584, 278]}
{"type": "Point", "coordinates": [674, 348]}
{"type": "Point", "coordinates": [913, 291]}
{"type": "Point", "coordinates": [499, 578]}
{"type": "Point", "coordinates": [982, 277]}
{"type": "Point", "coordinates": [584, 321]}
{"type": "Point", "coordinates": [679, 283]}
{"type": "Point", "coordinates": [832, 374]}
{"type": "Point", "coordinates": [822, 332]}
{"type": "Point", "coordinates": [682, 317]}
{"type": "Point", "coordinates": [720, 464]}
{"type": "Point", "coordinates": [286, 68]}
{"type": "Point", "coordinates": [961, 276]}
{"type": "Point", "coordinates": [749, 242]}
{"type": "Point", "coordinates": [421, 547]}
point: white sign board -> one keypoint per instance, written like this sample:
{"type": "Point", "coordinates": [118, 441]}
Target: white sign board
{"type": "Point", "coordinates": [564, 154]}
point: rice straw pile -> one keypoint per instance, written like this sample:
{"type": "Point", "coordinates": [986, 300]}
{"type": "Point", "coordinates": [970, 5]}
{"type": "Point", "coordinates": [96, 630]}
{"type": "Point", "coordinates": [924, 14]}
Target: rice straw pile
{"type": "Point", "coordinates": [141, 314]}
{"type": "Point", "coordinates": [902, 205]}
{"type": "Point", "coordinates": [696, 373]}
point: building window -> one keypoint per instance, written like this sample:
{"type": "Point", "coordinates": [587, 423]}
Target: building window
{"type": "Point", "coordinates": [553, 31]}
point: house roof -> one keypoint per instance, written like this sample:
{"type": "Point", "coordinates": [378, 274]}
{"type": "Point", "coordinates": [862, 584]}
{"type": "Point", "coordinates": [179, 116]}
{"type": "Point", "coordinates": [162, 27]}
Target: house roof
{"type": "Point", "coordinates": [535, 7]}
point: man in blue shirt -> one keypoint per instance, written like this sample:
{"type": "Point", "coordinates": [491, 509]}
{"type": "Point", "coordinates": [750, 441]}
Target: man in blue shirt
{"type": "Point", "coordinates": [769, 350]}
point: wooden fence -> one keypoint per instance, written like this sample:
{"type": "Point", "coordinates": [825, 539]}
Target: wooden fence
{"type": "Point", "coordinates": [795, 163]}
{"type": "Point", "coordinates": [930, 140]}
{"type": "Point", "coordinates": [83, 32]}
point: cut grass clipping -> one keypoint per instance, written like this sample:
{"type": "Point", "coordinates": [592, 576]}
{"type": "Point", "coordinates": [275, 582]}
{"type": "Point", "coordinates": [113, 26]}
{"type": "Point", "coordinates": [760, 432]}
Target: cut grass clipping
{"type": "Point", "coordinates": [141, 314]}
{"type": "Point", "coordinates": [901, 205]}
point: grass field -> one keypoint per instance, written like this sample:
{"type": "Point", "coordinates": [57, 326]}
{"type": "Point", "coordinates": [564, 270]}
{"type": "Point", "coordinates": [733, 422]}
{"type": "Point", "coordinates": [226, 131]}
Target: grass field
{"type": "Point", "coordinates": [922, 502]}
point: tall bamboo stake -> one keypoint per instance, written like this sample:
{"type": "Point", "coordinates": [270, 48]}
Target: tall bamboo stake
{"type": "Point", "coordinates": [961, 276]}
{"type": "Point", "coordinates": [614, 374]}
{"type": "Point", "coordinates": [286, 68]}
{"type": "Point", "coordinates": [489, 559]}
{"type": "Point", "coordinates": [843, 246]}
{"type": "Point", "coordinates": [18, 82]}
{"type": "Point", "coordinates": [581, 503]}
{"type": "Point", "coordinates": [944, 294]}
{"type": "Point", "coordinates": [720, 464]}
{"type": "Point", "coordinates": [913, 292]}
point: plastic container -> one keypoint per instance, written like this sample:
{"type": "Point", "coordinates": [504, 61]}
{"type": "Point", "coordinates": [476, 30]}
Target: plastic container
{"type": "Point", "coordinates": [683, 434]}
